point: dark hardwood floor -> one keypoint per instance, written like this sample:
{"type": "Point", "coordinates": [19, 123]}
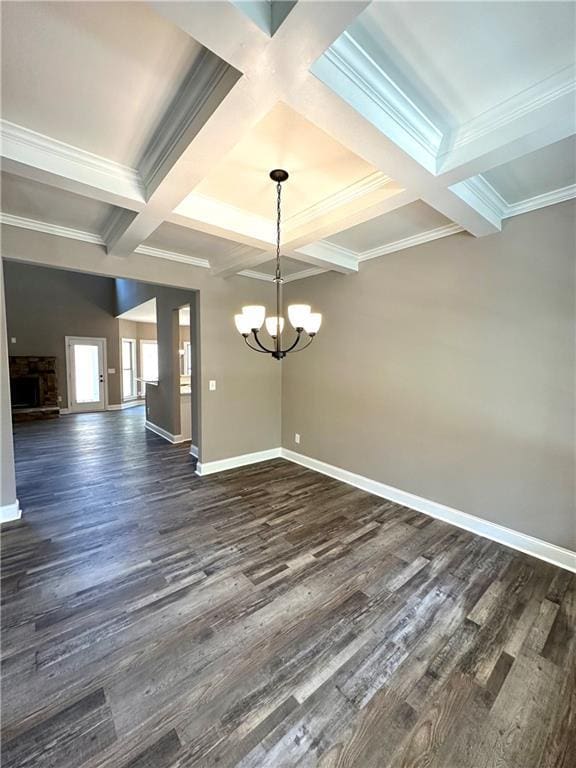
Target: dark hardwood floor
{"type": "Point", "coordinates": [264, 617]}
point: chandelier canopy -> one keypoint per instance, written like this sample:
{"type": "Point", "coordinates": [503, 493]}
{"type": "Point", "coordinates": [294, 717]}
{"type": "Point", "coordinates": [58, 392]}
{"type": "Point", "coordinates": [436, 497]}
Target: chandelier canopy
{"type": "Point", "coordinates": [300, 316]}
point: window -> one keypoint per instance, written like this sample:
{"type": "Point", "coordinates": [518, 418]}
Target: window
{"type": "Point", "coordinates": [186, 360]}
{"type": "Point", "coordinates": [128, 369]}
{"type": "Point", "coordinates": [149, 360]}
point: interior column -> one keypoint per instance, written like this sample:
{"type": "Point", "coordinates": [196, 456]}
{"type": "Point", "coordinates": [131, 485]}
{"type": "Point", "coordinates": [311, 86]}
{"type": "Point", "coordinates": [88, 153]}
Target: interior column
{"type": "Point", "coordinates": [9, 507]}
{"type": "Point", "coordinates": [168, 331]}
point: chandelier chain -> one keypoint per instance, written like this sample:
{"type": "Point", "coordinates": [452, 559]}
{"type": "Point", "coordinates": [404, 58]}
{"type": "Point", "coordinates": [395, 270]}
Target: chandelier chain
{"type": "Point", "coordinates": [278, 215]}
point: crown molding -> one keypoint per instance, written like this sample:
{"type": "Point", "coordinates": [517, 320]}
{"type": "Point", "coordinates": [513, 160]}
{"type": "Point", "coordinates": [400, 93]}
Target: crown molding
{"type": "Point", "coordinates": [350, 67]}
{"type": "Point", "coordinates": [480, 193]}
{"type": "Point", "coordinates": [331, 255]}
{"type": "Point", "coordinates": [558, 85]}
{"type": "Point", "coordinates": [541, 201]}
{"type": "Point", "coordinates": [50, 229]}
{"type": "Point", "coordinates": [312, 272]}
{"type": "Point", "coordinates": [24, 146]}
{"type": "Point", "coordinates": [397, 245]}
{"type": "Point", "coordinates": [89, 237]}
{"type": "Point", "coordinates": [374, 182]}
{"type": "Point", "coordinates": [410, 242]}
{"type": "Point", "coordinates": [287, 279]}
{"type": "Point", "coordinates": [145, 250]}
{"type": "Point", "coordinates": [209, 210]}
{"type": "Point", "coordinates": [257, 275]}
{"type": "Point", "coordinates": [160, 253]}
{"type": "Point", "coordinates": [206, 84]}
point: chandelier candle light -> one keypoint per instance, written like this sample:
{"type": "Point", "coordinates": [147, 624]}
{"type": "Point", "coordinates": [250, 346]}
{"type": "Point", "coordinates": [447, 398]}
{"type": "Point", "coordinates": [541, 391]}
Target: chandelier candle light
{"type": "Point", "coordinates": [302, 319]}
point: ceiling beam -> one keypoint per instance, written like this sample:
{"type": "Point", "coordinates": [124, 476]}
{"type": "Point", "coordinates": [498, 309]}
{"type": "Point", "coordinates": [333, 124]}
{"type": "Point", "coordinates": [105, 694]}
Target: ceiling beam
{"type": "Point", "coordinates": [221, 27]}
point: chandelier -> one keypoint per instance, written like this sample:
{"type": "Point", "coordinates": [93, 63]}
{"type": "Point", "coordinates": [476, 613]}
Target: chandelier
{"type": "Point", "coordinates": [302, 319]}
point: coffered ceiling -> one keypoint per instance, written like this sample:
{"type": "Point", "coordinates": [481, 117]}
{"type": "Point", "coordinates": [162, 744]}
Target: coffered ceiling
{"type": "Point", "coordinates": [151, 127]}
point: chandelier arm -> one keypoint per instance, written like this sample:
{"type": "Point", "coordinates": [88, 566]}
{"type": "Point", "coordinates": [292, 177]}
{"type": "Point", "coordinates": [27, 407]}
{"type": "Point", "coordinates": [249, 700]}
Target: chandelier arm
{"type": "Point", "coordinates": [262, 347]}
{"type": "Point", "coordinates": [262, 351]}
{"type": "Point", "coordinates": [292, 346]}
{"type": "Point", "coordinates": [304, 347]}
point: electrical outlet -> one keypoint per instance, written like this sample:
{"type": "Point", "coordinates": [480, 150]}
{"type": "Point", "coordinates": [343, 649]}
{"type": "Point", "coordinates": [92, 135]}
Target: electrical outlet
{"type": "Point", "coordinates": [296, 438]}
{"type": "Point", "coordinates": [212, 385]}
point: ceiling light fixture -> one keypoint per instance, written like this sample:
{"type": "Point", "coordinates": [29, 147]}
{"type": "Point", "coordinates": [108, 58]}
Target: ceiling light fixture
{"type": "Point", "coordinates": [301, 317]}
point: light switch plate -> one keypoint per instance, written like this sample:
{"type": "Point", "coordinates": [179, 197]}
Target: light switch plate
{"type": "Point", "coordinates": [13, 340]}
{"type": "Point", "coordinates": [111, 370]}
{"type": "Point", "coordinates": [212, 385]}
{"type": "Point", "coordinates": [296, 437]}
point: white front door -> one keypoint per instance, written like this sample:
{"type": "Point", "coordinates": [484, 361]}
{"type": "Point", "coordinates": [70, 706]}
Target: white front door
{"type": "Point", "coordinates": [86, 374]}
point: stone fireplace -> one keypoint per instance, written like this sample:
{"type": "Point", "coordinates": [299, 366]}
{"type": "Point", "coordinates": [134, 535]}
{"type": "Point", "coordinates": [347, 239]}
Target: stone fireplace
{"type": "Point", "coordinates": [33, 388]}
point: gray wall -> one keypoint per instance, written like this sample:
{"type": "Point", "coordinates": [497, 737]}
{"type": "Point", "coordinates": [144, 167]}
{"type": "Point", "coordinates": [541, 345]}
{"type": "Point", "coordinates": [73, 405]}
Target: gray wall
{"type": "Point", "coordinates": [448, 371]}
{"type": "Point", "coordinates": [45, 305]}
{"type": "Point", "coordinates": [243, 415]}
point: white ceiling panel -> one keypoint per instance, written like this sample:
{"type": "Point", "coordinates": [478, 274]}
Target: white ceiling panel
{"type": "Point", "coordinates": [397, 225]}
{"type": "Point", "coordinates": [171, 237]}
{"type": "Point", "coordinates": [31, 200]}
{"type": "Point", "coordinates": [98, 76]}
{"type": "Point", "coordinates": [289, 266]}
{"type": "Point", "coordinates": [546, 170]}
{"type": "Point", "coordinates": [319, 167]}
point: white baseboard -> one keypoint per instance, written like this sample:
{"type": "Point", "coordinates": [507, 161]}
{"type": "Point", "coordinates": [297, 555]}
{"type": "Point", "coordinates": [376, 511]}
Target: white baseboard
{"type": "Point", "coordinates": [194, 451]}
{"type": "Point", "coordinates": [10, 512]}
{"type": "Point", "coordinates": [164, 433]}
{"type": "Point", "coordinates": [551, 553]}
{"type": "Point", "coordinates": [210, 467]}
{"type": "Point", "coordinates": [112, 407]}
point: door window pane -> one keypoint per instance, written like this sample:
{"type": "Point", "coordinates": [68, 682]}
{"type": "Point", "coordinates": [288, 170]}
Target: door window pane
{"type": "Point", "coordinates": [86, 373]}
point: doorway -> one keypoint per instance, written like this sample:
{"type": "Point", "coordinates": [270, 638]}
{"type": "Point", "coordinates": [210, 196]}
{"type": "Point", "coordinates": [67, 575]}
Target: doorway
{"type": "Point", "coordinates": [86, 363]}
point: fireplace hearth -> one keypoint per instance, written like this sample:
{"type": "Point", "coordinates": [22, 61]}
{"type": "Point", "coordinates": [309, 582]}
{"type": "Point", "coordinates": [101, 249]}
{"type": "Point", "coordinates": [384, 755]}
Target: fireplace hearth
{"type": "Point", "coordinates": [33, 388]}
